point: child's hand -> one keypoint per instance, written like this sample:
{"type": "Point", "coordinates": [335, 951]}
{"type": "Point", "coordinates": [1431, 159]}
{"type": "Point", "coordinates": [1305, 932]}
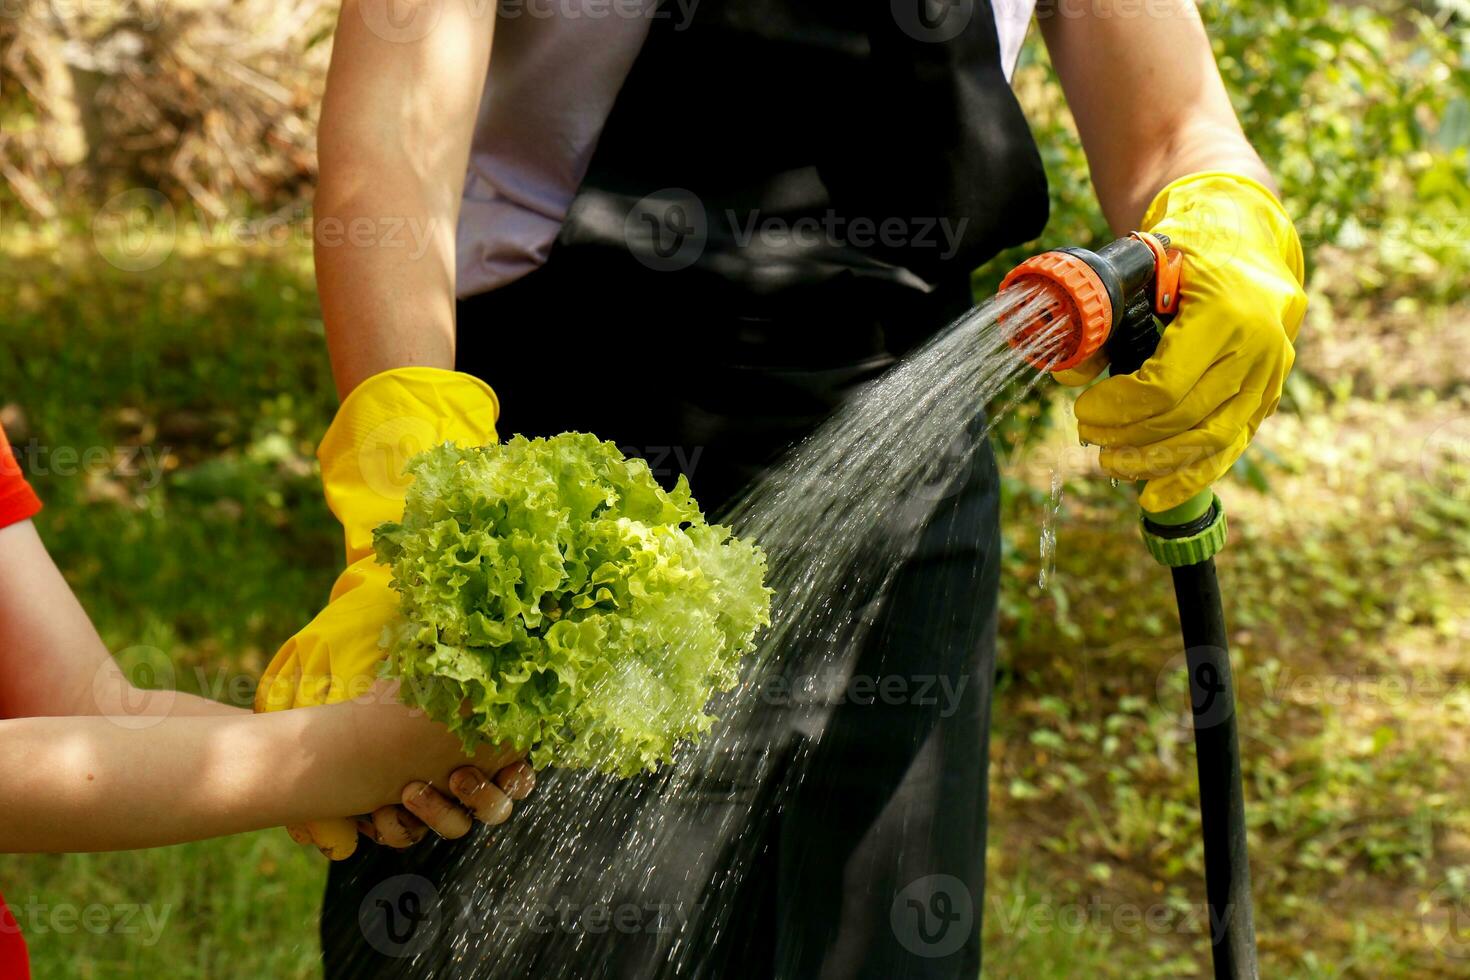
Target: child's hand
{"type": "Point", "coordinates": [401, 746]}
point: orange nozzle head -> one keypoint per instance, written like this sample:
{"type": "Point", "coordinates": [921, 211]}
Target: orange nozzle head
{"type": "Point", "coordinates": [1071, 290]}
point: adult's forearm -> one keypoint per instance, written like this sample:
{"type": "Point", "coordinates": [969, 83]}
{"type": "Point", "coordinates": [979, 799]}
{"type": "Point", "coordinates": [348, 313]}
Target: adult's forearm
{"type": "Point", "coordinates": [393, 146]}
{"type": "Point", "coordinates": [1207, 143]}
{"type": "Point", "coordinates": [384, 307]}
{"type": "Point", "coordinates": [1147, 97]}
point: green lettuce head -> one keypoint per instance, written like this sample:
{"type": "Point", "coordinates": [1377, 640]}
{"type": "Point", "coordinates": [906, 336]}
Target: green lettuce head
{"type": "Point", "coordinates": [556, 598]}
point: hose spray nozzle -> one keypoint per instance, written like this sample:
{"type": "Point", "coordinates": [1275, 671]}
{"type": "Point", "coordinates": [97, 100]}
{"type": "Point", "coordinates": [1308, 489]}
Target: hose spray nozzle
{"type": "Point", "coordinates": [1106, 298]}
{"type": "Point", "coordinates": [1113, 299]}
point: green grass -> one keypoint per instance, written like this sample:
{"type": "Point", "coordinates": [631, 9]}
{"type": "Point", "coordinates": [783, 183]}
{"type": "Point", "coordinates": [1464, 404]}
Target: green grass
{"type": "Point", "coordinates": [214, 364]}
{"type": "Point", "coordinates": [1347, 588]}
{"type": "Point", "coordinates": [244, 907]}
{"type": "Point", "coordinates": [204, 385]}
{"type": "Point", "coordinates": [1352, 570]}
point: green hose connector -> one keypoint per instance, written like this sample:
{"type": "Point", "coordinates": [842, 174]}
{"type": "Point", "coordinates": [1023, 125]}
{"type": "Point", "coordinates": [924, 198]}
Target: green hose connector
{"type": "Point", "coordinates": [1193, 532]}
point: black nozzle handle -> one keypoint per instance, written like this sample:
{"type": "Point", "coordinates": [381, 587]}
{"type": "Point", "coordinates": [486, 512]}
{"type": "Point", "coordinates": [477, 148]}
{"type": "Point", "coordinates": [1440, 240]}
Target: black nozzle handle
{"type": "Point", "coordinates": [1134, 338]}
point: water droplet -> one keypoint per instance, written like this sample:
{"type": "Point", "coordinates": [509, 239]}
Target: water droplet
{"type": "Point", "coordinates": [1049, 516]}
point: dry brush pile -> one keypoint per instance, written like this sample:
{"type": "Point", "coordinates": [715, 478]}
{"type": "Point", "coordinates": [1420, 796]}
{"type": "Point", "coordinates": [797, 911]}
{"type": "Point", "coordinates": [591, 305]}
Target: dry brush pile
{"type": "Point", "coordinates": [211, 102]}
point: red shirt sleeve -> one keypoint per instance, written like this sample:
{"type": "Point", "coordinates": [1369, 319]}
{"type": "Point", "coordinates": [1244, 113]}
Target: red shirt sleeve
{"type": "Point", "coordinates": [15, 960]}
{"type": "Point", "coordinates": [17, 500]}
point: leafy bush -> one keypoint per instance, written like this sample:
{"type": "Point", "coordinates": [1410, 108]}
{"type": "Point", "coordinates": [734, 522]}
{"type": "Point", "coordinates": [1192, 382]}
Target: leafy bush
{"type": "Point", "coordinates": [1363, 114]}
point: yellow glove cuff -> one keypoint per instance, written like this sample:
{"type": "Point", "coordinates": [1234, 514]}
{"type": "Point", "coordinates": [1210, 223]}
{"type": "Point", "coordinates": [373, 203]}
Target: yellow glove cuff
{"type": "Point", "coordinates": [382, 424]}
{"type": "Point", "coordinates": [1236, 213]}
{"type": "Point", "coordinates": [335, 657]}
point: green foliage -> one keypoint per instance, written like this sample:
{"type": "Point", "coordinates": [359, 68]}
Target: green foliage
{"type": "Point", "coordinates": [168, 420]}
{"type": "Point", "coordinates": [241, 908]}
{"type": "Point", "coordinates": [1361, 112]}
{"type": "Point", "coordinates": [1346, 594]}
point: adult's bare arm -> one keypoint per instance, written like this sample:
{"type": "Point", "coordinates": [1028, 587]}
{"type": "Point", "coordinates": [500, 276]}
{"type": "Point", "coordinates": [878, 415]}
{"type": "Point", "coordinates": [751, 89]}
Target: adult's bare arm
{"type": "Point", "coordinates": [1149, 103]}
{"type": "Point", "coordinates": [394, 141]}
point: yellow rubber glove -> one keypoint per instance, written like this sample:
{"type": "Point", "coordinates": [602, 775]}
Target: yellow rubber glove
{"type": "Point", "coordinates": [383, 423]}
{"type": "Point", "coordinates": [1189, 412]}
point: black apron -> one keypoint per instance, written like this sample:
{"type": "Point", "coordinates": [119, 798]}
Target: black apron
{"type": "Point", "coordinates": [787, 194]}
{"type": "Point", "coordinates": [722, 282]}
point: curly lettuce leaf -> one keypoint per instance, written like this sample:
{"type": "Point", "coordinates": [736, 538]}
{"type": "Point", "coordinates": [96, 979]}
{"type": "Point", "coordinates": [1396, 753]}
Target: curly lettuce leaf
{"type": "Point", "coordinates": [555, 597]}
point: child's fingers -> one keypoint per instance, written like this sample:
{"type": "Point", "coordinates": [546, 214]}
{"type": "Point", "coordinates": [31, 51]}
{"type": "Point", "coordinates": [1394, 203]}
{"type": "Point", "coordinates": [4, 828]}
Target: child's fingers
{"type": "Point", "coordinates": [441, 816]}
{"type": "Point", "coordinates": [487, 801]}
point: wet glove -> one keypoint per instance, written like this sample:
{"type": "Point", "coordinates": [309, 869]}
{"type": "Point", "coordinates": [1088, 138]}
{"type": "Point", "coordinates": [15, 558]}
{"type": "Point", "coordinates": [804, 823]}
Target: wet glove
{"type": "Point", "coordinates": [384, 422]}
{"type": "Point", "coordinates": [1189, 412]}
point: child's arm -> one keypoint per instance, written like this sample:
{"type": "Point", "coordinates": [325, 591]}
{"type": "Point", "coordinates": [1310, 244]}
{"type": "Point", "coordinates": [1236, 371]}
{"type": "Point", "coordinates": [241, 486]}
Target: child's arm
{"type": "Point", "coordinates": [155, 767]}
{"type": "Point", "coordinates": [90, 784]}
{"type": "Point", "coordinates": [52, 662]}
